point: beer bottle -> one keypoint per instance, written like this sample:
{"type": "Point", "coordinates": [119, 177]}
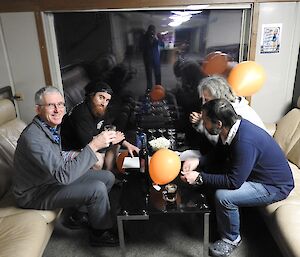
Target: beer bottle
{"type": "Point", "coordinates": [144, 155]}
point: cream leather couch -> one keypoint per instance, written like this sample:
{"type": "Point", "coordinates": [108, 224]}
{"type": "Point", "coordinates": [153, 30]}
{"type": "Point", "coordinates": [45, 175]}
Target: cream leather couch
{"type": "Point", "coordinates": [283, 218]}
{"type": "Point", "coordinates": [23, 233]}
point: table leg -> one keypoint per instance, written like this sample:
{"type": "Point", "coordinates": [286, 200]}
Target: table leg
{"type": "Point", "coordinates": [205, 234]}
{"type": "Point", "coordinates": [121, 234]}
{"type": "Point", "coordinates": [120, 219]}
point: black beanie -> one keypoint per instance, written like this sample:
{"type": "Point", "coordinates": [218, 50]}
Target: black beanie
{"type": "Point", "coordinates": [97, 86]}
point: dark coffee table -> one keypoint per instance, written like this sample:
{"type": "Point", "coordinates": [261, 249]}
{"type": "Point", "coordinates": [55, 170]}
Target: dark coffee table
{"type": "Point", "coordinates": [139, 201]}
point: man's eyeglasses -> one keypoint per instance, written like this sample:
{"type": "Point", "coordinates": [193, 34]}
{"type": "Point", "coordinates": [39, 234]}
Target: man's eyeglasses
{"type": "Point", "coordinates": [52, 106]}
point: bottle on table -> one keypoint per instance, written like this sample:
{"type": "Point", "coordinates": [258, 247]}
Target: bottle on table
{"type": "Point", "coordinates": [144, 166]}
{"type": "Point", "coordinates": [144, 154]}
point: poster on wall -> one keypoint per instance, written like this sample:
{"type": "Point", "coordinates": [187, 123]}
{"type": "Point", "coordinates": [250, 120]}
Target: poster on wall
{"type": "Point", "coordinates": [270, 38]}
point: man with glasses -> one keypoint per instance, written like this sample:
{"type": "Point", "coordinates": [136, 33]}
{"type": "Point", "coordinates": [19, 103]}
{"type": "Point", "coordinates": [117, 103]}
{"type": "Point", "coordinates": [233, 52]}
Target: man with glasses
{"type": "Point", "coordinates": [44, 180]}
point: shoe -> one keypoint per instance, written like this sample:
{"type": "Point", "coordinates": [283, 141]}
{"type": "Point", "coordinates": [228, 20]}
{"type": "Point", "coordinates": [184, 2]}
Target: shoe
{"type": "Point", "coordinates": [221, 248]}
{"type": "Point", "coordinates": [76, 221]}
{"type": "Point", "coordinates": [107, 238]}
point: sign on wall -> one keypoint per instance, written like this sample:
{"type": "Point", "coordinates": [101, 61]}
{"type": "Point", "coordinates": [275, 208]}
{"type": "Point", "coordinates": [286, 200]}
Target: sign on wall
{"type": "Point", "coordinates": [270, 38]}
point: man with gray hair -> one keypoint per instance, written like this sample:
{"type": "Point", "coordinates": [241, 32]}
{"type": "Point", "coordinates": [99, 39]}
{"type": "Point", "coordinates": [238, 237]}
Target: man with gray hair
{"type": "Point", "coordinates": [44, 180]}
{"type": "Point", "coordinates": [217, 87]}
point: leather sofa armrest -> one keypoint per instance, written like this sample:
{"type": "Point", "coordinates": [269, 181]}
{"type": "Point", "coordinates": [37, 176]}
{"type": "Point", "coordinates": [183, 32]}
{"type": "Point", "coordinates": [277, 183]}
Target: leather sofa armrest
{"type": "Point", "coordinates": [271, 128]}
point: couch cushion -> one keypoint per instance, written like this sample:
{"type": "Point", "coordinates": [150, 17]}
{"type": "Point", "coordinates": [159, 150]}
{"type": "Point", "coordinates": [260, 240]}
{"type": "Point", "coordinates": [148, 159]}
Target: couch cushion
{"type": "Point", "coordinates": [8, 208]}
{"type": "Point", "coordinates": [294, 196]}
{"type": "Point", "coordinates": [287, 221]}
{"type": "Point", "coordinates": [294, 154]}
{"type": "Point", "coordinates": [9, 135]}
{"type": "Point", "coordinates": [288, 130]}
{"type": "Point", "coordinates": [7, 111]}
{"type": "Point", "coordinates": [23, 235]}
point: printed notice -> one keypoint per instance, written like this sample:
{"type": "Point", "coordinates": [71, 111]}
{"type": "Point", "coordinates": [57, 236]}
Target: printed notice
{"type": "Point", "coordinates": [270, 38]}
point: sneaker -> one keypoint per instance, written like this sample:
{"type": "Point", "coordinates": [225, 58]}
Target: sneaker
{"type": "Point", "coordinates": [107, 238]}
{"type": "Point", "coordinates": [221, 248]}
{"type": "Point", "coordinates": [76, 221]}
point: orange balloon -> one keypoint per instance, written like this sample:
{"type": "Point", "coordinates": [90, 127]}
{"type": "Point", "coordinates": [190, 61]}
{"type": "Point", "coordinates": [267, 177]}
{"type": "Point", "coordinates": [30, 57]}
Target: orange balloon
{"type": "Point", "coordinates": [215, 63]}
{"type": "Point", "coordinates": [157, 93]}
{"type": "Point", "coordinates": [120, 160]}
{"type": "Point", "coordinates": [164, 166]}
{"type": "Point", "coordinates": [246, 78]}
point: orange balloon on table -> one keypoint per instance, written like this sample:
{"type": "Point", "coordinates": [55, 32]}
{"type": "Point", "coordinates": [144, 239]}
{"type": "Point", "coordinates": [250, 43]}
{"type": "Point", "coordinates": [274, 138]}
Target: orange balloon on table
{"type": "Point", "coordinates": [164, 166]}
{"type": "Point", "coordinates": [120, 160]}
{"type": "Point", "coordinates": [246, 78]}
{"type": "Point", "coordinates": [157, 93]}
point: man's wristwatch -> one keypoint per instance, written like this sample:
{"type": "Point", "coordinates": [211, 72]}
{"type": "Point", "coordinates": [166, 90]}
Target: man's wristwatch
{"type": "Point", "coordinates": [199, 180]}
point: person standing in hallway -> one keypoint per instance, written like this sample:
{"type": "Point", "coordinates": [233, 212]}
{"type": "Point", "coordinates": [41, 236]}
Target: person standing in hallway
{"type": "Point", "coordinates": [151, 56]}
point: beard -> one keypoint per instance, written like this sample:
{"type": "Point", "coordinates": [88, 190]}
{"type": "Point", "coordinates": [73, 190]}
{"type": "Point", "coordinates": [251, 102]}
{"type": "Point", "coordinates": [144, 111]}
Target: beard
{"type": "Point", "coordinates": [214, 131]}
{"type": "Point", "coordinates": [98, 110]}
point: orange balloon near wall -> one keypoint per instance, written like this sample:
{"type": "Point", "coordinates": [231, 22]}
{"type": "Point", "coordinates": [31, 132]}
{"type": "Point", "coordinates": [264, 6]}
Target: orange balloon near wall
{"type": "Point", "coordinates": [246, 78]}
{"type": "Point", "coordinates": [120, 160]}
{"type": "Point", "coordinates": [164, 166]}
{"type": "Point", "coordinates": [157, 93]}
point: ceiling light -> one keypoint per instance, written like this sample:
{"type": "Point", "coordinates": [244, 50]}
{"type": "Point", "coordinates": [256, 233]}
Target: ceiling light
{"type": "Point", "coordinates": [175, 23]}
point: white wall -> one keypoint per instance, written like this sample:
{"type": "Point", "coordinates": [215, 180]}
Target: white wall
{"type": "Point", "coordinates": [275, 98]}
{"type": "Point", "coordinates": [21, 40]}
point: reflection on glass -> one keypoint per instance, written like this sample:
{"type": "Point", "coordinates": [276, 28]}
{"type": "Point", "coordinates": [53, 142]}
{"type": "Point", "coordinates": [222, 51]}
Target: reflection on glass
{"type": "Point", "coordinates": [80, 38]}
{"type": "Point", "coordinates": [109, 44]}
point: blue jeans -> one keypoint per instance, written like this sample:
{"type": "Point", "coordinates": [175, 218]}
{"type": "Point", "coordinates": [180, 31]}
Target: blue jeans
{"type": "Point", "coordinates": [228, 202]}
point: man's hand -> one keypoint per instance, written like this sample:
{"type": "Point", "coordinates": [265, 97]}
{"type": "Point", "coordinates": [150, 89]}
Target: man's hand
{"type": "Point", "coordinates": [119, 137]}
{"type": "Point", "coordinates": [195, 117]}
{"type": "Point", "coordinates": [190, 176]}
{"type": "Point", "coordinates": [103, 140]}
{"type": "Point", "coordinates": [190, 164]}
{"type": "Point", "coordinates": [131, 148]}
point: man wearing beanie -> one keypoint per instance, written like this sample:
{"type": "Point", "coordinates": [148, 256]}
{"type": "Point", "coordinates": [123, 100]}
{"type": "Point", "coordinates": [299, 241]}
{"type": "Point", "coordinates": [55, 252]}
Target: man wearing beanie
{"type": "Point", "coordinates": [86, 120]}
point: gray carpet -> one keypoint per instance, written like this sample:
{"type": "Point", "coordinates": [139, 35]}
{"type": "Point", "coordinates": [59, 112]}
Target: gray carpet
{"type": "Point", "coordinates": [164, 236]}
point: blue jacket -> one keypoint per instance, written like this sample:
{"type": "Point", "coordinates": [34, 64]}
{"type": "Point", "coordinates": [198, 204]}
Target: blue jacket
{"type": "Point", "coordinates": [253, 155]}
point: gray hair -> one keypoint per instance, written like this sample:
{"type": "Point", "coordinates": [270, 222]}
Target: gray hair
{"type": "Point", "coordinates": [38, 98]}
{"type": "Point", "coordinates": [218, 88]}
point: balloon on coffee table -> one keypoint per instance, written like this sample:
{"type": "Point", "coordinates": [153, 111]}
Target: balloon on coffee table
{"type": "Point", "coordinates": [164, 166]}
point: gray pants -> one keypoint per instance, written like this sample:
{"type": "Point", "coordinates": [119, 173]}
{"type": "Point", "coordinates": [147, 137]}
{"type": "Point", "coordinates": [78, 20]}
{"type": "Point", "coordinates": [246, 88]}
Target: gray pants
{"type": "Point", "coordinates": [91, 190]}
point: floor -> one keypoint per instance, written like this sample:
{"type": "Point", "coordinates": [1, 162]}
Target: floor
{"type": "Point", "coordinates": [176, 236]}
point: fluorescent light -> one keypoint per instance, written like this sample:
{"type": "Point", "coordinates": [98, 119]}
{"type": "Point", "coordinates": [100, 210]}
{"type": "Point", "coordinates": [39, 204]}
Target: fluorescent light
{"type": "Point", "coordinates": [185, 13]}
{"type": "Point", "coordinates": [175, 23]}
